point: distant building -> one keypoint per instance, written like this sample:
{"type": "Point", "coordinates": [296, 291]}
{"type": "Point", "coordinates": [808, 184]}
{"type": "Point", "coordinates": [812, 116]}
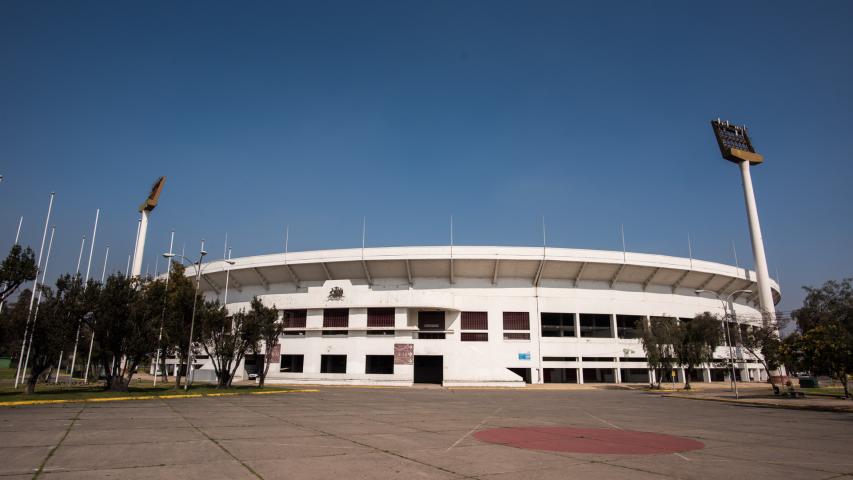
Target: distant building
{"type": "Point", "coordinates": [477, 315]}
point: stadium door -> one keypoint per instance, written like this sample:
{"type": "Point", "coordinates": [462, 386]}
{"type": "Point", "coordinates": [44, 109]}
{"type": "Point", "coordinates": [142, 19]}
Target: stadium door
{"type": "Point", "coordinates": [429, 369]}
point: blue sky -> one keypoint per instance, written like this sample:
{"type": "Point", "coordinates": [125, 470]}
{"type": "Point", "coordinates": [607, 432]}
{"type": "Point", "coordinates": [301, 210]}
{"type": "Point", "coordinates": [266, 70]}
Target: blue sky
{"type": "Point", "coordinates": [315, 115]}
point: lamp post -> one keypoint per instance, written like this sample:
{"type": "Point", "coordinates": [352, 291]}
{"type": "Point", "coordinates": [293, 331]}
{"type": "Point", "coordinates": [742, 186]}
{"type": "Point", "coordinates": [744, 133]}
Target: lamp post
{"type": "Point", "coordinates": [726, 303]}
{"type": "Point", "coordinates": [202, 253]}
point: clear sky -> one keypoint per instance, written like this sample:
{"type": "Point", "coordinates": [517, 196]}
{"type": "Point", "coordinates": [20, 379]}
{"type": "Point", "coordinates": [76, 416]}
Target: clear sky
{"type": "Point", "coordinates": [317, 114]}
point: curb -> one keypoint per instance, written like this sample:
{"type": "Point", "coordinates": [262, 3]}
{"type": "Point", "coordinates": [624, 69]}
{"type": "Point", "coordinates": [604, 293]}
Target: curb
{"type": "Point", "coordinates": [816, 408]}
{"type": "Point", "coordinates": [24, 403]}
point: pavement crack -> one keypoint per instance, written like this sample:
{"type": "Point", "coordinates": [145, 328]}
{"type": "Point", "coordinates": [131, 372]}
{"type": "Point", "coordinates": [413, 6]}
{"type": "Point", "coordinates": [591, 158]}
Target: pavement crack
{"type": "Point", "coordinates": [214, 441]}
{"type": "Point", "coordinates": [64, 436]}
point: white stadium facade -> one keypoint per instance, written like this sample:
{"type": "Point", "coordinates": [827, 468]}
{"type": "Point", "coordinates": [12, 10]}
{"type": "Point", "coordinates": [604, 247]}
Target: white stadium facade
{"type": "Point", "coordinates": [476, 316]}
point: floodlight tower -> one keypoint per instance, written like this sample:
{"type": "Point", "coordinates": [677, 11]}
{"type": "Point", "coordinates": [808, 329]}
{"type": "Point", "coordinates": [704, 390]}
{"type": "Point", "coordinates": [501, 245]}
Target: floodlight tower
{"type": "Point", "coordinates": [145, 209]}
{"type": "Point", "coordinates": [736, 147]}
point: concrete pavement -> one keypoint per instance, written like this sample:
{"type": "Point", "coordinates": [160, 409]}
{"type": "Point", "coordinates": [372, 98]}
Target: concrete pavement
{"type": "Point", "coordinates": [357, 433]}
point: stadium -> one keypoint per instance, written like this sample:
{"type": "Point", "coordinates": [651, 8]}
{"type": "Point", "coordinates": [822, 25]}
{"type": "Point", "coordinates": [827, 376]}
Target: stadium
{"type": "Point", "coordinates": [475, 315]}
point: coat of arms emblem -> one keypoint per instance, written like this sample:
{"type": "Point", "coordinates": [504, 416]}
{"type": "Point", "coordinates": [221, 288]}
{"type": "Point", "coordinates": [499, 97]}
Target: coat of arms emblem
{"type": "Point", "coordinates": [336, 293]}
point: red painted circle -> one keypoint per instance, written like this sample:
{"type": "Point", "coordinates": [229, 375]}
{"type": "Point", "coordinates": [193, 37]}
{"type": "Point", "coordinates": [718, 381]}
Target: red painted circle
{"type": "Point", "coordinates": [588, 440]}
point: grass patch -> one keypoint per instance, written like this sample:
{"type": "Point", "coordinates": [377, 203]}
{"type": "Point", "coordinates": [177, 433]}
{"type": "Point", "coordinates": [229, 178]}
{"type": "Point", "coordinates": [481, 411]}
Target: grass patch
{"type": "Point", "coordinates": [7, 373]}
{"type": "Point", "coordinates": [137, 389]}
{"type": "Point", "coordinates": [837, 391]}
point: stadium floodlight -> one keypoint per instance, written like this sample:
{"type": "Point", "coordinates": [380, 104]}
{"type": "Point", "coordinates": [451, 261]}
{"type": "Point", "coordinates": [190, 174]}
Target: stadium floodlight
{"type": "Point", "coordinates": [736, 147]}
{"type": "Point", "coordinates": [145, 209]}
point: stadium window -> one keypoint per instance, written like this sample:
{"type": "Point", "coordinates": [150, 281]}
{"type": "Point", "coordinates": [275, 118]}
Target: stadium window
{"type": "Point", "coordinates": [475, 337]}
{"type": "Point", "coordinates": [628, 326]}
{"type": "Point", "coordinates": [431, 325]}
{"type": "Point", "coordinates": [516, 321]}
{"type": "Point", "coordinates": [598, 359]}
{"type": "Point", "coordinates": [380, 317]}
{"type": "Point", "coordinates": [560, 359]}
{"type": "Point", "coordinates": [292, 319]}
{"type": "Point", "coordinates": [595, 325]}
{"type": "Point", "coordinates": [333, 364]}
{"type": "Point", "coordinates": [379, 364]}
{"type": "Point", "coordinates": [336, 318]}
{"type": "Point", "coordinates": [475, 321]}
{"type": "Point", "coordinates": [558, 324]}
{"type": "Point", "coordinates": [292, 363]}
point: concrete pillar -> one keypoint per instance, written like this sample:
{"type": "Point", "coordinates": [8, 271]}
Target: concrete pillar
{"type": "Point", "coordinates": [613, 330]}
{"type": "Point", "coordinates": [652, 377]}
{"type": "Point", "coordinates": [617, 375]}
{"type": "Point", "coordinates": [706, 375]}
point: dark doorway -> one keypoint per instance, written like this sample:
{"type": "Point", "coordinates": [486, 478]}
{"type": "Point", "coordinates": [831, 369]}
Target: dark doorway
{"type": "Point", "coordinates": [429, 369]}
{"type": "Point", "coordinates": [524, 373]}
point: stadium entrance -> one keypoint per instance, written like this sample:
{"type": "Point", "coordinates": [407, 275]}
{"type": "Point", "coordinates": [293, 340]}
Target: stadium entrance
{"type": "Point", "coordinates": [429, 369]}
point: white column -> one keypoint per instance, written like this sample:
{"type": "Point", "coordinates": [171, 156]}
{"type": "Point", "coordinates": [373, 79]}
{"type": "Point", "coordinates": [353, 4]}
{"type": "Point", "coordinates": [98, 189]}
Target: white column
{"type": "Point", "coordinates": [765, 297]}
{"type": "Point", "coordinates": [706, 375]}
{"type": "Point", "coordinates": [136, 270]}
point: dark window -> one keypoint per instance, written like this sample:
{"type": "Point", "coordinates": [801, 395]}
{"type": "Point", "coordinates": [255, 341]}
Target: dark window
{"type": "Point", "coordinates": [294, 318]}
{"type": "Point", "coordinates": [335, 333]}
{"type": "Point", "coordinates": [629, 326]}
{"type": "Point", "coordinates": [516, 335]}
{"type": "Point", "coordinates": [632, 359]}
{"type": "Point", "coordinates": [598, 359]}
{"type": "Point", "coordinates": [516, 321]}
{"type": "Point", "coordinates": [595, 325]}
{"type": "Point", "coordinates": [558, 324]}
{"type": "Point", "coordinates": [336, 317]}
{"type": "Point", "coordinates": [381, 364]}
{"type": "Point", "coordinates": [428, 321]}
{"type": "Point", "coordinates": [475, 321]}
{"type": "Point", "coordinates": [380, 317]}
{"type": "Point", "coordinates": [380, 333]}
{"type": "Point", "coordinates": [560, 375]}
{"type": "Point", "coordinates": [475, 337]}
{"type": "Point", "coordinates": [292, 363]}
{"type": "Point", "coordinates": [560, 359]}
{"type": "Point", "coordinates": [333, 364]}
{"type": "Point", "coordinates": [294, 333]}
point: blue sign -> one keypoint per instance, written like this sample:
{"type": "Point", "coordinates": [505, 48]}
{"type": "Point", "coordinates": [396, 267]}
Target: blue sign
{"type": "Point", "coordinates": [524, 356]}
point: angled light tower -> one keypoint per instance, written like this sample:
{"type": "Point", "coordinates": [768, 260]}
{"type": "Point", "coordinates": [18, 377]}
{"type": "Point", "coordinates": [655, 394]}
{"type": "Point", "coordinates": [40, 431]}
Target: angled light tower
{"type": "Point", "coordinates": [145, 209]}
{"type": "Point", "coordinates": [736, 147]}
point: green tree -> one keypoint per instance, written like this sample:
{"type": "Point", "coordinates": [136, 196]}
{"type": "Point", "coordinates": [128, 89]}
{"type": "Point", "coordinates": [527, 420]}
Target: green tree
{"type": "Point", "coordinates": [657, 341]}
{"type": "Point", "coordinates": [270, 329]}
{"type": "Point", "coordinates": [694, 342]}
{"type": "Point", "coordinates": [125, 326]}
{"type": "Point", "coordinates": [764, 344]}
{"type": "Point", "coordinates": [18, 268]}
{"type": "Point", "coordinates": [227, 339]}
{"type": "Point", "coordinates": [825, 323]}
{"type": "Point", "coordinates": [51, 332]}
{"type": "Point", "coordinates": [177, 318]}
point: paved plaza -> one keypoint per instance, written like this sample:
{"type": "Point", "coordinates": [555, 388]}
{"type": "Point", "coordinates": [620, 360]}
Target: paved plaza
{"type": "Point", "coordinates": [387, 433]}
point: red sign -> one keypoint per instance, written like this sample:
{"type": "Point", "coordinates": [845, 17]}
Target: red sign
{"type": "Point", "coordinates": [404, 354]}
{"type": "Point", "coordinates": [275, 355]}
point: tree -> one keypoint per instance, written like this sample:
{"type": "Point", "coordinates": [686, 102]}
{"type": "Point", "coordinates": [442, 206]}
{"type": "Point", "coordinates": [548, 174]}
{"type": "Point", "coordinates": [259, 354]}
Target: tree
{"type": "Point", "coordinates": [270, 329]}
{"type": "Point", "coordinates": [227, 339]}
{"type": "Point", "coordinates": [178, 315]}
{"type": "Point", "coordinates": [694, 342]}
{"type": "Point", "coordinates": [18, 268]}
{"type": "Point", "coordinates": [125, 326]}
{"type": "Point", "coordinates": [657, 342]}
{"type": "Point", "coordinates": [825, 323]}
{"type": "Point", "coordinates": [51, 332]}
{"type": "Point", "coordinates": [764, 344]}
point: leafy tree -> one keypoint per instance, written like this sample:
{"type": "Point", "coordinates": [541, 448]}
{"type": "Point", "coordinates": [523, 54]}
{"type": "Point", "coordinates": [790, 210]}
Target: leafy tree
{"type": "Point", "coordinates": [825, 322]}
{"type": "Point", "coordinates": [764, 344]}
{"type": "Point", "coordinates": [125, 326]}
{"type": "Point", "coordinates": [51, 332]}
{"type": "Point", "coordinates": [18, 268]}
{"type": "Point", "coordinates": [177, 318]}
{"type": "Point", "coordinates": [269, 329]}
{"type": "Point", "coordinates": [227, 339]}
{"type": "Point", "coordinates": [694, 342]}
{"type": "Point", "coordinates": [657, 341]}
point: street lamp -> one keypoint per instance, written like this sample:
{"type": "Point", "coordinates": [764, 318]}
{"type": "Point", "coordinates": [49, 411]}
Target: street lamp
{"type": "Point", "coordinates": [202, 253]}
{"type": "Point", "coordinates": [726, 303]}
